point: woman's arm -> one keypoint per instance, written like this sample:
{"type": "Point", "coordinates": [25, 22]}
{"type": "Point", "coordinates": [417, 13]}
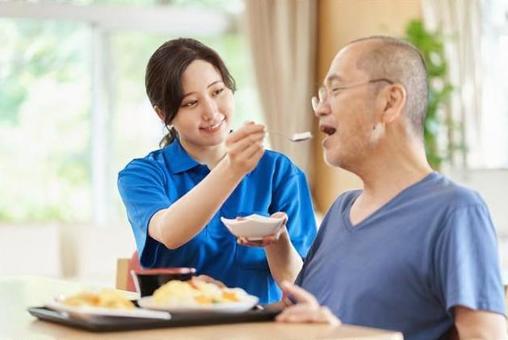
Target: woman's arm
{"type": "Point", "coordinates": [177, 224]}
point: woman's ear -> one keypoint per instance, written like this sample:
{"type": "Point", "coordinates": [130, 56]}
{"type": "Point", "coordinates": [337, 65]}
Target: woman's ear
{"type": "Point", "coordinates": [160, 113]}
{"type": "Point", "coordinates": [394, 100]}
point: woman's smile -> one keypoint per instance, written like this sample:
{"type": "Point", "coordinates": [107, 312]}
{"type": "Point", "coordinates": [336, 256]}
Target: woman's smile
{"type": "Point", "coordinates": [212, 128]}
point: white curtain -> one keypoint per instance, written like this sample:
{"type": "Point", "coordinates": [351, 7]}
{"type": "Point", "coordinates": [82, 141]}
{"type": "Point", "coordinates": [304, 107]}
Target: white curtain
{"type": "Point", "coordinates": [461, 23]}
{"type": "Point", "coordinates": [282, 38]}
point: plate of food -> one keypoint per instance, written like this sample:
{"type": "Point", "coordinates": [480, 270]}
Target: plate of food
{"type": "Point", "coordinates": [198, 296]}
{"type": "Point", "coordinates": [254, 227]}
{"type": "Point", "coordinates": [103, 303]}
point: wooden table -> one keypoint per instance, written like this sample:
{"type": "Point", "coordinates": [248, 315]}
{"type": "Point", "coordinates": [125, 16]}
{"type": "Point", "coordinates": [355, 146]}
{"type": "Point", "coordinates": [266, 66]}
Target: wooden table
{"type": "Point", "coordinates": [18, 293]}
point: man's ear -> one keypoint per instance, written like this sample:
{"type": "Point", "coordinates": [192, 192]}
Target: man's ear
{"type": "Point", "coordinates": [393, 102]}
{"type": "Point", "coordinates": [160, 113]}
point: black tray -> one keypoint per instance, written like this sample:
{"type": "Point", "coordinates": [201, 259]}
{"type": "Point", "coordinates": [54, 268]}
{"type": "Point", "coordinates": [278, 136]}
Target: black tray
{"type": "Point", "coordinates": [109, 324]}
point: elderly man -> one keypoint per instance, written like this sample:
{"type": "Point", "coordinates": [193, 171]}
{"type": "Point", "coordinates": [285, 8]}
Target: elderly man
{"type": "Point", "coordinates": [412, 251]}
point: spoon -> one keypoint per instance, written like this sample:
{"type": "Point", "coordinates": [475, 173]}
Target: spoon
{"type": "Point", "coordinates": [295, 137]}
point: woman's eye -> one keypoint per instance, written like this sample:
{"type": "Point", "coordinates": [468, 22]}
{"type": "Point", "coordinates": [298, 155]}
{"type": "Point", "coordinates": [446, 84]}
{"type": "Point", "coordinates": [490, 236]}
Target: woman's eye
{"type": "Point", "coordinates": [190, 103]}
{"type": "Point", "coordinates": [218, 91]}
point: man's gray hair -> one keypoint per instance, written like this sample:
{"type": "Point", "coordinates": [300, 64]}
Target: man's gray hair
{"type": "Point", "coordinates": [401, 62]}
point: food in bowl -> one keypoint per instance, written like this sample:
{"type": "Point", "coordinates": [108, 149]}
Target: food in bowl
{"type": "Point", "coordinates": [105, 298]}
{"type": "Point", "coordinates": [195, 292]}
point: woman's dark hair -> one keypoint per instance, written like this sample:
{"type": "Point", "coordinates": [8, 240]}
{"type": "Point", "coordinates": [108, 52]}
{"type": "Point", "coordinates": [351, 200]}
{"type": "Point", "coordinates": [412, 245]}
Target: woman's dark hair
{"type": "Point", "coordinates": [164, 74]}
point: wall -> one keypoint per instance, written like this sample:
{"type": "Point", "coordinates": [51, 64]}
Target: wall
{"type": "Point", "coordinates": [30, 250]}
{"type": "Point", "coordinates": [91, 251]}
{"type": "Point", "coordinates": [82, 252]}
{"type": "Point", "coordinates": [341, 21]}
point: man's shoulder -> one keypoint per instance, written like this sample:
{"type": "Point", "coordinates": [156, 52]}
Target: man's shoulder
{"type": "Point", "coordinates": [451, 193]}
{"type": "Point", "coordinates": [348, 195]}
{"type": "Point", "coordinates": [344, 200]}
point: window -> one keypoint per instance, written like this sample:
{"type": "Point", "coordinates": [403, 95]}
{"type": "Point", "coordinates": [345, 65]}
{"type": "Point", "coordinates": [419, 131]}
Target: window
{"type": "Point", "coordinates": [44, 121]}
{"type": "Point", "coordinates": [73, 108]}
{"type": "Point", "coordinates": [494, 124]}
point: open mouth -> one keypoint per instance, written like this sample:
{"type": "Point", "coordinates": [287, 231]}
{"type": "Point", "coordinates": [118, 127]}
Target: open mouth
{"type": "Point", "coordinates": [327, 129]}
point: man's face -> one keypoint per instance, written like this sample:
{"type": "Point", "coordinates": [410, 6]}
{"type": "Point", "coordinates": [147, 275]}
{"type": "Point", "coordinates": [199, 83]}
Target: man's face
{"type": "Point", "coordinates": [346, 111]}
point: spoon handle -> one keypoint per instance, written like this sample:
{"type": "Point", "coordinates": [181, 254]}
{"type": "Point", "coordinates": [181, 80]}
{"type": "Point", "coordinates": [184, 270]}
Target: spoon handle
{"type": "Point", "coordinates": [296, 137]}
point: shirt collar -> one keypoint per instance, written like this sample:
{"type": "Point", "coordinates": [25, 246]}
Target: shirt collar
{"type": "Point", "coordinates": [178, 159]}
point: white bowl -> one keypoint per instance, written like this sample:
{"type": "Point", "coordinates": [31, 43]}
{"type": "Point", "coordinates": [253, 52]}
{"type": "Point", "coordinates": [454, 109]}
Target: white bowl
{"type": "Point", "coordinates": [253, 227]}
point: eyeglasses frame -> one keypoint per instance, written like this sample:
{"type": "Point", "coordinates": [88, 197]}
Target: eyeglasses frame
{"type": "Point", "coordinates": [319, 99]}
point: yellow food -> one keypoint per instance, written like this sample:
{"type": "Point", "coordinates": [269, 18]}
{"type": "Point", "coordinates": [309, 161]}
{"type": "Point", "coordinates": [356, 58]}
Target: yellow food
{"type": "Point", "coordinates": [195, 292]}
{"type": "Point", "coordinates": [106, 298]}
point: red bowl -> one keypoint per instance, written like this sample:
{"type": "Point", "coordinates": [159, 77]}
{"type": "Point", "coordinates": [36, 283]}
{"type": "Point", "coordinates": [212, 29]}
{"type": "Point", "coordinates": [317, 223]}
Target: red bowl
{"type": "Point", "coordinates": [147, 281]}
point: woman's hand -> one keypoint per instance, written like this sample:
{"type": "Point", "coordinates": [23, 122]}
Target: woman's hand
{"type": "Point", "coordinates": [245, 147]}
{"type": "Point", "coordinates": [305, 309]}
{"type": "Point", "coordinates": [269, 239]}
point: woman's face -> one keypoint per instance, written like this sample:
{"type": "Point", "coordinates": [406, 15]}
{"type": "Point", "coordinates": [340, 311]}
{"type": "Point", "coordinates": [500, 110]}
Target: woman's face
{"type": "Point", "coordinates": [203, 118]}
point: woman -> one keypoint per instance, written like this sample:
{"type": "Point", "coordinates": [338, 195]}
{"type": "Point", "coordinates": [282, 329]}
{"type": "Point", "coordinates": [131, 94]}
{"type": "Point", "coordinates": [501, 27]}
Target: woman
{"type": "Point", "coordinates": [176, 195]}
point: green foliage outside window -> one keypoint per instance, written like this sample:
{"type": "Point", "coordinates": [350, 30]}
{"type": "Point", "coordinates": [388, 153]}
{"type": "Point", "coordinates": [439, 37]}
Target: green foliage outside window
{"type": "Point", "coordinates": [431, 45]}
{"type": "Point", "coordinates": [43, 121]}
{"type": "Point", "coordinates": [45, 111]}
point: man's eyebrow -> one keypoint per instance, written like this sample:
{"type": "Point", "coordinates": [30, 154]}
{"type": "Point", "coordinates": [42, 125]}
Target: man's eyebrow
{"type": "Point", "coordinates": [332, 77]}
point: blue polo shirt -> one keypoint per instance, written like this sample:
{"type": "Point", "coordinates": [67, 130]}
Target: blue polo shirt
{"type": "Point", "coordinates": [154, 182]}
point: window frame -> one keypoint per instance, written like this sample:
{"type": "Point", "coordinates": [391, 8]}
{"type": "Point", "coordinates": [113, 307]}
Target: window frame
{"type": "Point", "coordinates": [150, 19]}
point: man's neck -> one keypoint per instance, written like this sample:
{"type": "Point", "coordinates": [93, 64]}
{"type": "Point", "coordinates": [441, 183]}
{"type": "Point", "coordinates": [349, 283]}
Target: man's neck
{"type": "Point", "coordinates": [393, 166]}
{"type": "Point", "coordinates": [385, 175]}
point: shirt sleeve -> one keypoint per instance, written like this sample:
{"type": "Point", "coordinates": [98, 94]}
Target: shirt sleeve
{"type": "Point", "coordinates": [142, 188]}
{"type": "Point", "coordinates": [467, 264]}
{"type": "Point", "coordinates": [292, 196]}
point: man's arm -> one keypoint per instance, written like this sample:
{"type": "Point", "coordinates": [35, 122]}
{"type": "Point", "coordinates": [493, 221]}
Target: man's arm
{"type": "Point", "coordinates": [476, 324]}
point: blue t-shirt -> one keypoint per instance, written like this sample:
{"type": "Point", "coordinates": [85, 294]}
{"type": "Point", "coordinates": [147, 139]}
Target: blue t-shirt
{"type": "Point", "coordinates": [406, 266]}
{"type": "Point", "coordinates": [154, 182]}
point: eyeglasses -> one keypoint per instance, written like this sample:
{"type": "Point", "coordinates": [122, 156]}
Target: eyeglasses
{"type": "Point", "coordinates": [323, 92]}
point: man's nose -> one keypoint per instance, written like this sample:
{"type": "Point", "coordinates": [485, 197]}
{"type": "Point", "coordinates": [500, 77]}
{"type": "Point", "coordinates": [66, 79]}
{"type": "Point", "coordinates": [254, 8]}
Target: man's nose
{"type": "Point", "coordinates": [322, 109]}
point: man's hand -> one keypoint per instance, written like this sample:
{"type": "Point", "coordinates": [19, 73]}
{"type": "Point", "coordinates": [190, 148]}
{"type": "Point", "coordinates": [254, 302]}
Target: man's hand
{"type": "Point", "coordinates": [306, 309]}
